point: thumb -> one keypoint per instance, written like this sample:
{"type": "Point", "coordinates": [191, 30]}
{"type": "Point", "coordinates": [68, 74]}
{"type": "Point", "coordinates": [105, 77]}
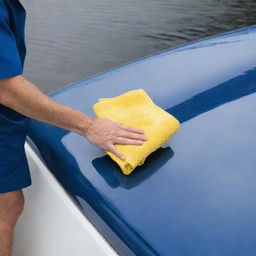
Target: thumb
{"type": "Point", "coordinates": [115, 151]}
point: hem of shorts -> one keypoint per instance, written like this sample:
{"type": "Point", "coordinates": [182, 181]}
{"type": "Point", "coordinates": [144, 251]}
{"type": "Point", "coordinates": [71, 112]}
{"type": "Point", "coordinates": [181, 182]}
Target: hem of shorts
{"type": "Point", "coordinates": [15, 188]}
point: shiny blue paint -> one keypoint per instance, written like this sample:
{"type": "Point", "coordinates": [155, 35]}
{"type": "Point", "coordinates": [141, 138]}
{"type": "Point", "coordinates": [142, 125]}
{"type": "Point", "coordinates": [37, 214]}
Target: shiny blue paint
{"type": "Point", "coordinates": [196, 197]}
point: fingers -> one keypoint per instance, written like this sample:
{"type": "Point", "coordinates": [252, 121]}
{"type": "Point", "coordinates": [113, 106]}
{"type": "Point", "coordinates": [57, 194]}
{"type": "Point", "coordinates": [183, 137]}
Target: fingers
{"type": "Point", "coordinates": [131, 135]}
{"type": "Point", "coordinates": [129, 128]}
{"type": "Point", "coordinates": [124, 141]}
{"type": "Point", "coordinates": [115, 151]}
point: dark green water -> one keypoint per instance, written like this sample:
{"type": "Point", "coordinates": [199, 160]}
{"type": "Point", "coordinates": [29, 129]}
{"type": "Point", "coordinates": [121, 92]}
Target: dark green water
{"type": "Point", "coordinates": [69, 40]}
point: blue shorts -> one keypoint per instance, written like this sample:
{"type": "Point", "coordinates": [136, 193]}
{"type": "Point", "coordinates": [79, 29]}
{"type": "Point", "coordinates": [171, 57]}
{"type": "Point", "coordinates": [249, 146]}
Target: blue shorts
{"type": "Point", "coordinates": [14, 169]}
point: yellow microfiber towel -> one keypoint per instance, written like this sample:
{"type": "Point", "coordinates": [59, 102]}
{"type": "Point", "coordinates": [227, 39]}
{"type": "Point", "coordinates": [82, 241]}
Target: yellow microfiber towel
{"type": "Point", "coordinates": [136, 109]}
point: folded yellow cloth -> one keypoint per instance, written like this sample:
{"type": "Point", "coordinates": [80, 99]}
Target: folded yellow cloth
{"type": "Point", "coordinates": [136, 109]}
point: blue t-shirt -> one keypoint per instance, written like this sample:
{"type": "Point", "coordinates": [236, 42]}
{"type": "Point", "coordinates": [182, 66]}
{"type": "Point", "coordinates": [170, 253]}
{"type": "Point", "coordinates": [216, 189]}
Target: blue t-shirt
{"type": "Point", "coordinates": [13, 125]}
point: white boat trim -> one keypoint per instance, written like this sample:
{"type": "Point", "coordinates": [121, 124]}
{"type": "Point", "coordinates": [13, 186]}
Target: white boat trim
{"type": "Point", "coordinates": [51, 223]}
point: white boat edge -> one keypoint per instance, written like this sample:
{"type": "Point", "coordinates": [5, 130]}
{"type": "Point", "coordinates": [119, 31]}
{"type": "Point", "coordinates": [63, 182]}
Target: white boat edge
{"type": "Point", "coordinates": [51, 223]}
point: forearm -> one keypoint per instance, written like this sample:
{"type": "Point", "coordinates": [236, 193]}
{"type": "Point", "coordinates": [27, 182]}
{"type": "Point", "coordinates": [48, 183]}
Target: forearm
{"type": "Point", "coordinates": [24, 97]}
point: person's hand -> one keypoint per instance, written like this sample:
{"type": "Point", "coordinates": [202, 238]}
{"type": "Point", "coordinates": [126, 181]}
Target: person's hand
{"type": "Point", "coordinates": [104, 133]}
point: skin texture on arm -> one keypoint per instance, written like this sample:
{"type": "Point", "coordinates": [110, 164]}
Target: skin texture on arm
{"type": "Point", "coordinates": [26, 98]}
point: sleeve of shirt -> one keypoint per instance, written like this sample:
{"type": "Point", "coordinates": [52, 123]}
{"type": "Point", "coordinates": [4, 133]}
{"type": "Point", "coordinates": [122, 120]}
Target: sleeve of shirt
{"type": "Point", "coordinates": [10, 63]}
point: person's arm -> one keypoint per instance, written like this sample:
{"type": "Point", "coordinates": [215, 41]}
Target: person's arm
{"type": "Point", "coordinates": [24, 97]}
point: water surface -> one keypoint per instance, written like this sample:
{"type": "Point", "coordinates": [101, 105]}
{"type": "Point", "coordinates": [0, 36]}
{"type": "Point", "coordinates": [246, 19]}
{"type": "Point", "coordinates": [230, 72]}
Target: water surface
{"type": "Point", "coordinates": [69, 40]}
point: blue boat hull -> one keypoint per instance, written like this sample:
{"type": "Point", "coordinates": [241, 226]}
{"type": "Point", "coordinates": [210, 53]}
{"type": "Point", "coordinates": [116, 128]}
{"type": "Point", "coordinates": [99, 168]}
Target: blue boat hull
{"type": "Point", "coordinates": [196, 197]}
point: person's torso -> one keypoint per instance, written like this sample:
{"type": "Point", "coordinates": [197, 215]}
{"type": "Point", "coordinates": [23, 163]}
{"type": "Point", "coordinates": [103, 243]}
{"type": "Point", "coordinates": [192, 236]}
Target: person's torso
{"type": "Point", "coordinates": [13, 123]}
{"type": "Point", "coordinates": [17, 16]}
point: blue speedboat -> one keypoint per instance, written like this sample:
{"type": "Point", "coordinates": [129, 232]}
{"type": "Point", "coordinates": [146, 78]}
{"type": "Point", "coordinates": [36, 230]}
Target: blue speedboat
{"type": "Point", "coordinates": [195, 196]}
